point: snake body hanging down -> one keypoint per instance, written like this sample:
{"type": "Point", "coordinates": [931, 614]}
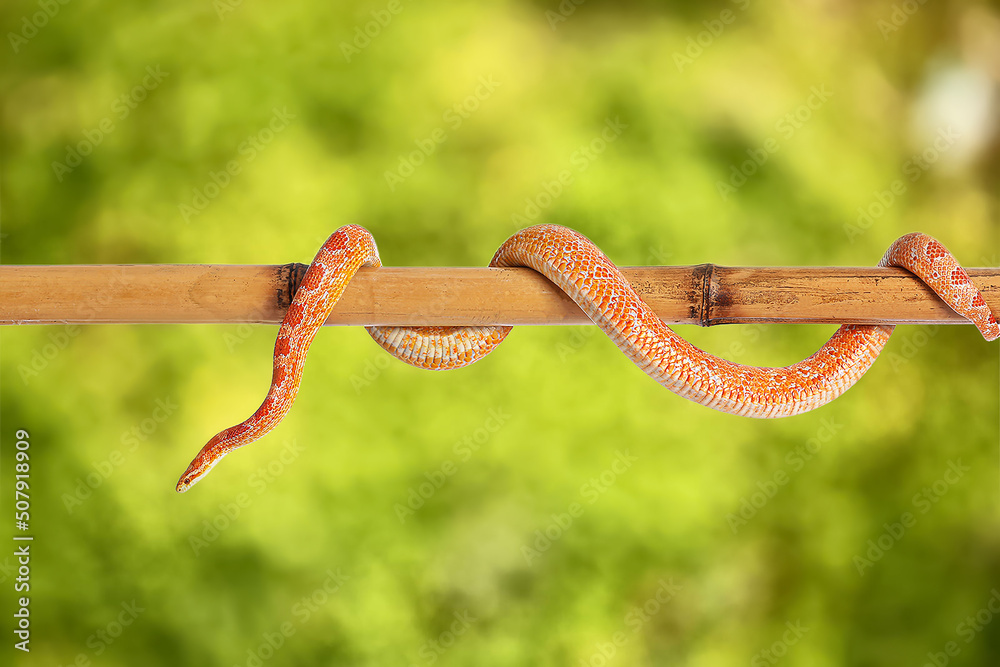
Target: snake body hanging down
{"type": "Point", "coordinates": [580, 269]}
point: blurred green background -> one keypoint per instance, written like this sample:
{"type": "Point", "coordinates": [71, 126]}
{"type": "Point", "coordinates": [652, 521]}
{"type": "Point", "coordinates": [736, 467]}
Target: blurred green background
{"type": "Point", "coordinates": [724, 541]}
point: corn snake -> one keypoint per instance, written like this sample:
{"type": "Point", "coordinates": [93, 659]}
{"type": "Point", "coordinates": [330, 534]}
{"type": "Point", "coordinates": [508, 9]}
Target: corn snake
{"type": "Point", "coordinates": [580, 269]}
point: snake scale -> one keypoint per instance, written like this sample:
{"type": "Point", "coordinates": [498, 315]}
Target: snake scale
{"type": "Point", "coordinates": [580, 269]}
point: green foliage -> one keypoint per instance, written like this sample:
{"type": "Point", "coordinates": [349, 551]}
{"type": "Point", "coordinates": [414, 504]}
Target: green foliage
{"type": "Point", "coordinates": [262, 127]}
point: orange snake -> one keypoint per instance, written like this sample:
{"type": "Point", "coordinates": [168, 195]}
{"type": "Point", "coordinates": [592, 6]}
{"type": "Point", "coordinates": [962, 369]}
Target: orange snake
{"type": "Point", "coordinates": [580, 269]}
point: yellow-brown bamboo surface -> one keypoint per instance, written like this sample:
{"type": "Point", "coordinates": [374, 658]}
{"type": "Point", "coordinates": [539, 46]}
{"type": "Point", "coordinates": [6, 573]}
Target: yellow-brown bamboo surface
{"type": "Point", "coordinates": [703, 294]}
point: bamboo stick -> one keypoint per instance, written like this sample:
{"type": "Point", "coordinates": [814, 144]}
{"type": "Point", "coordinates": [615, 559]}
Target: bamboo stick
{"type": "Point", "coordinates": [704, 294]}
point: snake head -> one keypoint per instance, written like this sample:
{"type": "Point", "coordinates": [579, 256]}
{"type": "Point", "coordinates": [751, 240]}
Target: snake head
{"type": "Point", "coordinates": [206, 459]}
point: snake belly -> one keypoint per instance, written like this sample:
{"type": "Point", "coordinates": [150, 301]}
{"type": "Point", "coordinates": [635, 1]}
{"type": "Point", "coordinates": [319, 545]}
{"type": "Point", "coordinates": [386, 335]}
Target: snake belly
{"type": "Point", "coordinates": [579, 268]}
